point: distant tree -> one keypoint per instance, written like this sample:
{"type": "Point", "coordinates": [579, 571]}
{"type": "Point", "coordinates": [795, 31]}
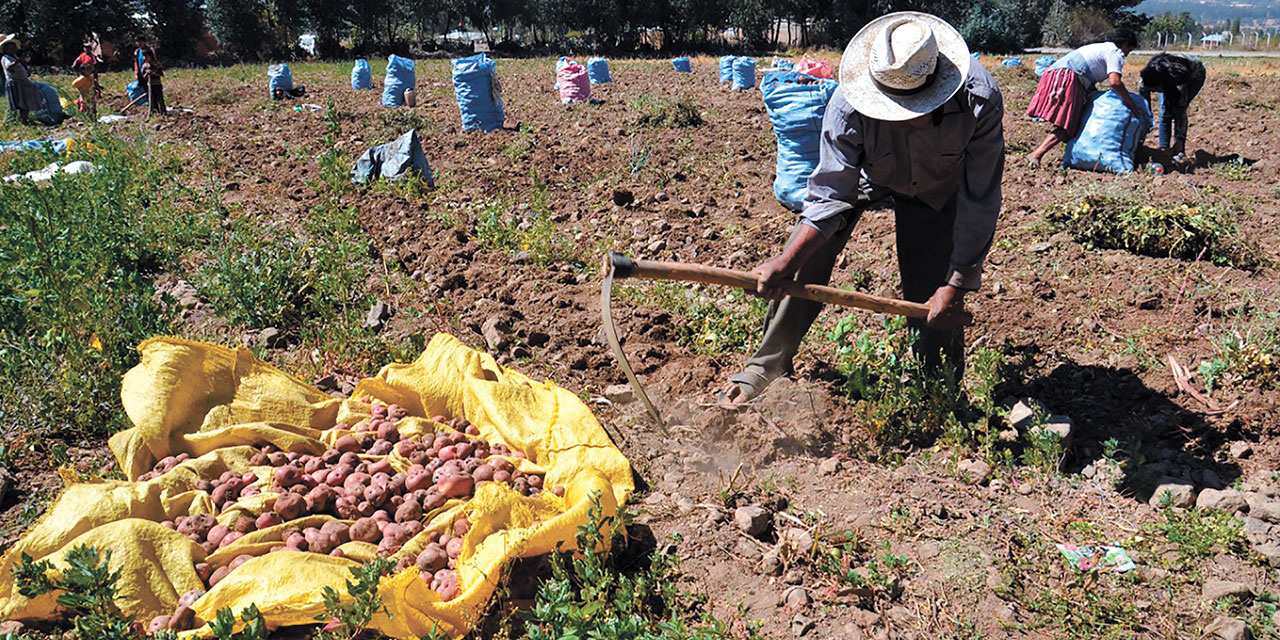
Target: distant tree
{"type": "Point", "coordinates": [54, 30]}
{"type": "Point", "coordinates": [178, 25]}
{"type": "Point", "coordinates": [1002, 26]}
{"type": "Point", "coordinates": [239, 27]}
{"type": "Point", "coordinates": [328, 20]}
{"type": "Point", "coordinates": [1057, 25]}
{"type": "Point", "coordinates": [752, 18]}
{"type": "Point", "coordinates": [1235, 26]}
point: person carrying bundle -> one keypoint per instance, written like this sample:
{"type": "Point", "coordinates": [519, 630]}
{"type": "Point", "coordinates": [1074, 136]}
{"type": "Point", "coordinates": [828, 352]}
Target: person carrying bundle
{"type": "Point", "coordinates": [1178, 78]}
{"type": "Point", "coordinates": [915, 121]}
{"type": "Point", "coordinates": [1063, 90]}
{"type": "Point", "coordinates": [150, 75]}
{"type": "Point", "coordinates": [18, 88]}
{"type": "Point", "coordinates": [86, 66]}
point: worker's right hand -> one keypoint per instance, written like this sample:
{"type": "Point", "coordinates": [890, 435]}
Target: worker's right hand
{"type": "Point", "coordinates": [771, 274]}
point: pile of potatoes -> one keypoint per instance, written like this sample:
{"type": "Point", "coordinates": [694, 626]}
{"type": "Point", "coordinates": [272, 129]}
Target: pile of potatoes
{"type": "Point", "coordinates": [356, 482]}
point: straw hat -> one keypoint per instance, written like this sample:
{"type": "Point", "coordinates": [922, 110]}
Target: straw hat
{"type": "Point", "coordinates": [9, 37]}
{"type": "Point", "coordinates": [903, 65]}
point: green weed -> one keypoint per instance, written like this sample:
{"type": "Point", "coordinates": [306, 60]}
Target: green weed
{"type": "Point", "coordinates": [522, 144]}
{"type": "Point", "coordinates": [1249, 351]}
{"type": "Point", "coordinates": [707, 326]}
{"type": "Point", "coordinates": [88, 587]}
{"type": "Point", "coordinates": [1199, 533]}
{"type": "Point", "coordinates": [505, 228]}
{"type": "Point", "coordinates": [848, 561]}
{"type": "Point", "coordinates": [1234, 170]}
{"type": "Point", "coordinates": [1126, 219]}
{"type": "Point", "coordinates": [1087, 613]}
{"type": "Point", "coordinates": [354, 610]}
{"type": "Point", "coordinates": [224, 624]}
{"type": "Point", "coordinates": [659, 112]}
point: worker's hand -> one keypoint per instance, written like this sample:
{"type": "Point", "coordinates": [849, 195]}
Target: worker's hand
{"type": "Point", "coordinates": [946, 309]}
{"type": "Point", "coordinates": [771, 274]}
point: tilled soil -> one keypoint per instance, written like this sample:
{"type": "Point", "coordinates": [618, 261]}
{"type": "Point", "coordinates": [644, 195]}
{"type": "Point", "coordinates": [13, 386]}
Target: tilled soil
{"type": "Point", "coordinates": [1095, 327]}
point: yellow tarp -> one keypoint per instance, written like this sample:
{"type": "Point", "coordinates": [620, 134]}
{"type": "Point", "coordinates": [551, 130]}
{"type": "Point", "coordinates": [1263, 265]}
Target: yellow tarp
{"type": "Point", "coordinates": [217, 404]}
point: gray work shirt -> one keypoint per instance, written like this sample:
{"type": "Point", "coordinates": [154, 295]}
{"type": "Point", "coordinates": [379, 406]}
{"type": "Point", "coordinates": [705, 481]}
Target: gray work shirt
{"type": "Point", "coordinates": [958, 155]}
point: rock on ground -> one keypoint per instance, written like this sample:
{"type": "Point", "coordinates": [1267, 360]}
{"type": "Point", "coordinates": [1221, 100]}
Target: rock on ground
{"type": "Point", "coordinates": [1227, 628]}
{"type": "Point", "coordinates": [973, 471]}
{"type": "Point", "coordinates": [1181, 494]}
{"type": "Point", "coordinates": [1228, 500]}
{"type": "Point", "coordinates": [619, 393]}
{"type": "Point", "coordinates": [1240, 449]}
{"type": "Point", "coordinates": [752, 520]}
{"type": "Point", "coordinates": [1219, 589]}
{"type": "Point", "coordinates": [829, 466]}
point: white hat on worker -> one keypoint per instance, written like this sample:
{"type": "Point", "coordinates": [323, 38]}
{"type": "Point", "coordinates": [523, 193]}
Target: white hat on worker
{"type": "Point", "coordinates": [9, 37]}
{"type": "Point", "coordinates": [903, 65]}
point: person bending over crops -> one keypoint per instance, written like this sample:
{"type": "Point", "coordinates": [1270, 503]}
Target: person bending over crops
{"type": "Point", "coordinates": [1060, 97]}
{"type": "Point", "coordinates": [914, 121]}
{"type": "Point", "coordinates": [1178, 78]}
{"type": "Point", "coordinates": [18, 88]}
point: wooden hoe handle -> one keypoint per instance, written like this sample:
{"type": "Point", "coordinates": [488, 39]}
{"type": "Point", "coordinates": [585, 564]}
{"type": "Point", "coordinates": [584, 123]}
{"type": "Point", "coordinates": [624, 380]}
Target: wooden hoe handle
{"type": "Point", "coordinates": [624, 267]}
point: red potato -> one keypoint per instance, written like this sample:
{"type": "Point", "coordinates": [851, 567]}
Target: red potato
{"type": "Point", "coordinates": [346, 444]}
{"type": "Point", "coordinates": [483, 473]}
{"type": "Point", "coordinates": [365, 530]}
{"type": "Point", "coordinates": [287, 475]}
{"type": "Point", "coordinates": [319, 498]}
{"type": "Point", "coordinates": [410, 510]}
{"type": "Point", "coordinates": [216, 533]}
{"type": "Point", "coordinates": [432, 558]}
{"type": "Point", "coordinates": [312, 465]}
{"type": "Point", "coordinates": [223, 493]}
{"type": "Point", "coordinates": [501, 476]}
{"type": "Point", "coordinates": [319, 541]}
{"type": "Point", "coordinates": [381, 517]}
{"type": "Point", "coordinates": [454, 548]}
{"type": "Point", "coordinates": [417, 480]}
{"type": "Point", "coordinates": [268, 519]}
{"type": "Point", "coordinates": [558, 490]}
{"type": "Point", "coordinates": [456, 486]}
{"type": "Point", "coordinates": [464, 449]}
{"type": "Point", "coordinates": [396, 484]}
{"type": "Point", "coordinates": [440, 419]}
{"type": "Point", "coordinates": [169, 524]}
{"type": "Point", "coordinates": [350, 458]}
{"type": "Point", "coordinates": [461, 526]}
{"type": "Point", "coordinates": [239, 560]}
{"type": "Point", "coordinates": [380, 448]}
{"type": "Point", "coordinates": [337, 476]}
{"type": "Point", "coordinates": [218, 575]}
{"type": "Point", "coordinates": [293, 456]}
{"type": "Point", "coordinates": [433, 501]}
{"type": "Point", "coordinates": [356, 482]}
{"type": "Point", "coordinates": [378, 410]}
{"type": "Point", "coordinates": [393, 537]}
{"type": "Point", "coordinates": [366, 508]}
{"type": "Point", "coordinates": [290, 506]}
{"type": "Point", "coordinates": [381, 466]}
{"type": "Point", "coordinates": [320, 476]}
{"type": "Point", "coordinates": [379, 478]}
{"type": "Point", "coordinates": [277, 459]}
{"type": "Point", "coordinates": [339, 531]}
{"type": "Point", "coordinates": [346, 507]}
{"type": "Point", "coordinates": [198, 524]}
{"type": "Point", "coordinates": [387, 431]}
{"type": "Point", "coordinates": [444, 538]}
{"type": "Point", "coordinates": [251, 490]}
{"type": "Point", "coordinates": [414, 527]}
{"type": "Point", "coordinates": [209, 547]}
{"type": "Point", "coordinates": [203, 571]}
{"type": "Point", "coordinates": [258, 460]}
{"type": "Point", "coordinates": [445, 583]}
{"type": "Point", "coordinates": [446, 469]}
{"type": "Point", "coordinates": [535, 480]}
{"type": "Point", "coordinates": [204, 485]}
{"type": "Point", "coordinates": [230, 538]}
{"type": "Point", "coordinates": [337, 553]}
{"type": "Point", "coordinates": [158, 623]}
{"type": "Point", "coordinates": [189, 598]}
{"type": "Point", "coordinates": [448, 452]}
{"type": "Point", "coordinates": [296, 541]}
{"type": "Point", "coordinates": [330, 456]}
{"type": "Point", "coordinates": [420, 456]}
{"type": "Point", "coordinates": [183, 618]}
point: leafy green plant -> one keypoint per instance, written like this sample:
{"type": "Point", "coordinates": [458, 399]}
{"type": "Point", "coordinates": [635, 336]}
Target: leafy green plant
{"type": "Point", "coordinates": [1235, 170]}
{"type": "Point", "coordinates": [532, 230]}
{"type": "Point", "coordinates": [848, 561]}
{"type": "Point", "coordinates": [1128, 220]}
{"type": "Point", "coordinates": [522, 144]}
{"type": "Point", "coordinates": [708, 326]}
{"type": "Point", "coordinates": [88, 587]}
{"type": "Point", "coordinates": [1249, 351]}
{"type": "Point", "coordinates": [1199, 533]}
{"type": "Point", "coordinates": [659, 112]}
{"type": "Point", "coordinates": [223, 625]}
{"type": "Point", "coordinates": [349, 616]}
{"type": "Point", "coordinates": [590, 596]}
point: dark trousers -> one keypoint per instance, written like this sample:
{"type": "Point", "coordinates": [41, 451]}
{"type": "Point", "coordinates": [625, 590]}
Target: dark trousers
{"type": "Point", "coordinates": [156, 99]}
{"type": "Point", "coordinates": [924, 239]}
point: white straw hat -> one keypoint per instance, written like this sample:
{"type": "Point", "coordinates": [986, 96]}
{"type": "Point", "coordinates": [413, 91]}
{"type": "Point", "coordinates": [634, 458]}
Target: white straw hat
{"type": "Point", "coordinates": [903, 65]}
{"type": "Point", "coordinates": [9, 37]}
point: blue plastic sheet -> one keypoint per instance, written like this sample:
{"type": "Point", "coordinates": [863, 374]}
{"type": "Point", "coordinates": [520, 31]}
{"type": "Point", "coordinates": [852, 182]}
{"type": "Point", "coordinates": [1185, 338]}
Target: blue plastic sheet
{"type": "Point", "coordinates": [744, 74]}
{"type": "Point", "coordinates": [783, 64]}
{"type": "Point", "coordinates": [795, 104]}
{"type": "Point", "coordinates": [1043, 63]}
{"type": "Point", "coordinates": [682, 65]}
{"type": "Point", "coordinates": [137, 93]}
{"type": "Point", "coordinates": [726, 68]}
{"type": "Point", "coordinates": [361, 75]}
{"type": "Point", "coordinates": [598, 71]}
{"type": "Point", "coordinates": [50, 111]}
{"type": "Point", "coordinates": [475, 84]}
{"type": "Point", "coordinates": [1012, 62]}
{"type": "Point", "coordinates": [1110, 136]}
{"type": "Point", "coordinates": [56, 146]}
{"type": "Point", "coordinates": [400, 78]}
{"type": "Point", "coordinates": [279, 78]}
{"type": "Point", "coordinates": [400, 158]}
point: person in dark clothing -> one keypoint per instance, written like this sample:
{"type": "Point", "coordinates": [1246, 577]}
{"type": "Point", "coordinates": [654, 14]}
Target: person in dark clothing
{"type": "Point", "coordinates": [1177, 78]}
{"type": "Point", "coordinates": [150, 75]}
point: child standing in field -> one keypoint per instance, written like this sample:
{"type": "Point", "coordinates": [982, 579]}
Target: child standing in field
{"type": "Point", "coordinates": [150, 75]}
{"type": "Point", "coordinates": [1060, 96]}
{"type": "Point", "coordinates": [1178, 78]}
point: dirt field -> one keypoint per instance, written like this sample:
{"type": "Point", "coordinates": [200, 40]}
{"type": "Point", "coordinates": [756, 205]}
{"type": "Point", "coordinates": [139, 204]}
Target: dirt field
{"type": "Point", "coordinates": [945, 554]}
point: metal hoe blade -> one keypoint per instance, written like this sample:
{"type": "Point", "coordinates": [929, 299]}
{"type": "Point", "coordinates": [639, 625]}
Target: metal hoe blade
{"type": "Point", "coordinates": [611, 334]}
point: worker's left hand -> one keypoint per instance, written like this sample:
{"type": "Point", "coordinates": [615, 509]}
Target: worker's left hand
{"type": "Point", "coordinates": [946, 309]}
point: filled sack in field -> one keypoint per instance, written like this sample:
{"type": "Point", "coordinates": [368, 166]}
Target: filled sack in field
{"type": "Point", "coordinates": [783, 64]}
{"type": "Point", "coordinates": [50, 112]}
{"type": "Point", "coordinates": [726, 68]}
{"type": "Point", "coordinates": [598, 71]}
{"type": "Point", "coordinates": [280, 83]}
{"type": "Point", "coordinates": [1043, 63]}
{"type": "Point", "coordinates": [1109, 139]}
{"type": "Point", "coordinates": [479, 95]}
{"type": "Point", "coordinates": [573, 83]}
{"type": "Point", "coordinates": [137, 93]}
{"type": "Point", "coordinates": [361, 75]}
{"type": "Point", "coordinates": [682, 65]}
{"type": "Point", "coordinates": [795, 103]}
{"type": "Point", "coordinates": [400, 77]}
{"type": "Point", "coordinates": [744, 74]}
{"type": "Point", "coordinates": [815, 68]}
{"type": "Point", "coordinates": [1012, 62]}
{"type": "Point", "coordinates": [400, 158]}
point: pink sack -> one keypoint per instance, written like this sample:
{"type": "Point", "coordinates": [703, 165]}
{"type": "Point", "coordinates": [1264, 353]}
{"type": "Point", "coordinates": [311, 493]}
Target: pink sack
{"type": "Point", "coordinates": [814, 68]}
{"type": "Point", "coordinates": [573, 82]}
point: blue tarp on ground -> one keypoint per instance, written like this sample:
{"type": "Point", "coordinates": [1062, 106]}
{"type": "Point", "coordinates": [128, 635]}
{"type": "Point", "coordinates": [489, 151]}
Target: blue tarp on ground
{"type": "Point", "coordinates": [1043, 63]}
{"type": "Point", "coordinates": [56, 146]}
{"type": "Point", "coordinates": [795, 104]}
{"type": "Point", "coordinates": [475, 84]}
{"type": "Point", "coordinates": [1109, 139]}
{"type": "Point", "coordinates": [598, 71]}
{"type": "Point", "coordinates": [682, 65]}
{"type": "Point", "coordinates": [400, 158]}
{"type": "Point", "coordinates": [1012, 62]}
{"type": "Point", "coordinates": [136, 92]}
{"type": "Point", "coordinates": [361, 75]}
{"type": "Point", "coordinates": [400, 78]}
{"type": "Point", "coordinates": [744, 74]}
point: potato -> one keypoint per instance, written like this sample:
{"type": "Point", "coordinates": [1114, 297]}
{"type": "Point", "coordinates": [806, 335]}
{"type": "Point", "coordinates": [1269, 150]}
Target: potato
{"type": "Point", "coordinates": [433, 558]}
{"type": "Point", "coordinates": [158, 623]}
{"type": "Point", "coordinates": [378, 410]}
{"type": "Point", "coordinates": [277, 459]}
{"type": "Point", "coordinates": [380, 448]}
{"type": "Point", "coordinates": [483, 473]}
{"type": "Point", "coordinates": [454, 548]}
{"type": "Point", "coordinates": [456, 486]}
{"type": "Point", "coordinates": [535, 480]}
{"type": "Point", "coordinates": [319, 541]}
{"type": "Point", "coordinates": [356, 482]}
{"type": "Point", "coordinates": [287, 476]}
{"type": "Point", "coordinates": [330, 456]}
{"type": "Point", "coordinates": [396, 412]}
{"type": "Point", "coordinates": [290, 506]}
{"type": "Point", "coordinates": [395, 485]}
{"type": "Point", "coordinates": [251, 490]}
{"type": "Point", "coordinates": [337, 553]}
{"type": "Point", "coordinates": [258, 460]}
{"type": "Point", "coordinates": [239, 560]}
{"type": "Point", "coordinates": [223, 493]}
{"type": "Point", "coordinates": [217, 533]}
{"type": "Point", "coordinates": [336, 476]}
{"type": "Point", "coordinates": [203, 485]}
{"type": "Point", "coordinates": [464, 450]}
{"type": "Point", "coordinates": [183, 618]}
{"type": "Point", "coordinates": [350, 458]}
{"type": "Point", "coordinates": [346, 444]}
{"type": "Point", "coordinates": [339, 531]}
{"type": "Point", "coordinates": [447, 452]}
{"type": "Point", "coordinates": [319, 498]}
{"type": "Point", "coordinates": [268, 519]}
{"type": "Point", "coordinates": [296, 541]}
{"type": "Point", "coordinates": [450, 468]}
{"type": "Point", "coordinates": [381, 517]}
{"type": "Point", "coordinates": [433, 501]}
{"type": "Point", "coordinates": [407, 447]}
{"type": "Point", "coordinates": [366, 508]}
{"type": "Point", "coordinates": [387, 431]}
{"type": "Point", "coordinates": [189, 598]}
{"type": "Point", "coordinates": [414, 527]}
{"type": "Point", "coordinates": [198, 524]}
{"type": "Point", "coordinates": [209, 547]}
{"type": "Point", "coordinates": [420, 456]}
{"type": "Point", "coordinates": [461, 526]}
{"type": "Point", "coordinates": [501, 476]}
{"type": "Point", "coordinates": [312, 465]}
{"type": "Point", "coordinates": [418, 480]}
{"type": "Point", "coordinates": [203, 571]}
{"type": "Point", "coordinates": [409, 511]}
{"type": "Point", "coordinates": [230, 538]}
{"type": "Point", "coordinates": [445, 582]}
{"type": "Point", "coordinates": [169, 524]}
{"type": "Point", "coordinates": [393, 537]}
{"type": "Point", "coordinates": [472, 430]}
{"type": "Point", "coordinates": [379, 479]}
{"type": "Point", "coordinates": [439, 418]}
{"type": "Point", "coordinates": [218, 575]}
{"type": "Point", "coordinates": [346, 507]}
{"type": "Point", "coordinates": [365, 530]}
{"type": "Point", "coordinates": [558, 490]}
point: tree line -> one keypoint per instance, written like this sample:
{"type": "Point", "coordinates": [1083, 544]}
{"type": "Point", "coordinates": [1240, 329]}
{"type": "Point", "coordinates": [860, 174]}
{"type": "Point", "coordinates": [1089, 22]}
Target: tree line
{"type": "Point", "coordinates": [204, 31]}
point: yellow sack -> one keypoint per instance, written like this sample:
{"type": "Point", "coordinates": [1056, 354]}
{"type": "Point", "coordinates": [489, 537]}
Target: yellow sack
{"type": "Point", "coordinates": [218, 404]}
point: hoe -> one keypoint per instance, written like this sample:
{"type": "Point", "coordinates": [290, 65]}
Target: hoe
{"type": "Point", "coordinates": [619, 266]}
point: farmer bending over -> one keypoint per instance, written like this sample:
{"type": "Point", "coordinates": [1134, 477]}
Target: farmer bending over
{"type": "Point", "coordinates": [915, 121]}
{"type": "Point", "coordinates": [1178, 78]}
